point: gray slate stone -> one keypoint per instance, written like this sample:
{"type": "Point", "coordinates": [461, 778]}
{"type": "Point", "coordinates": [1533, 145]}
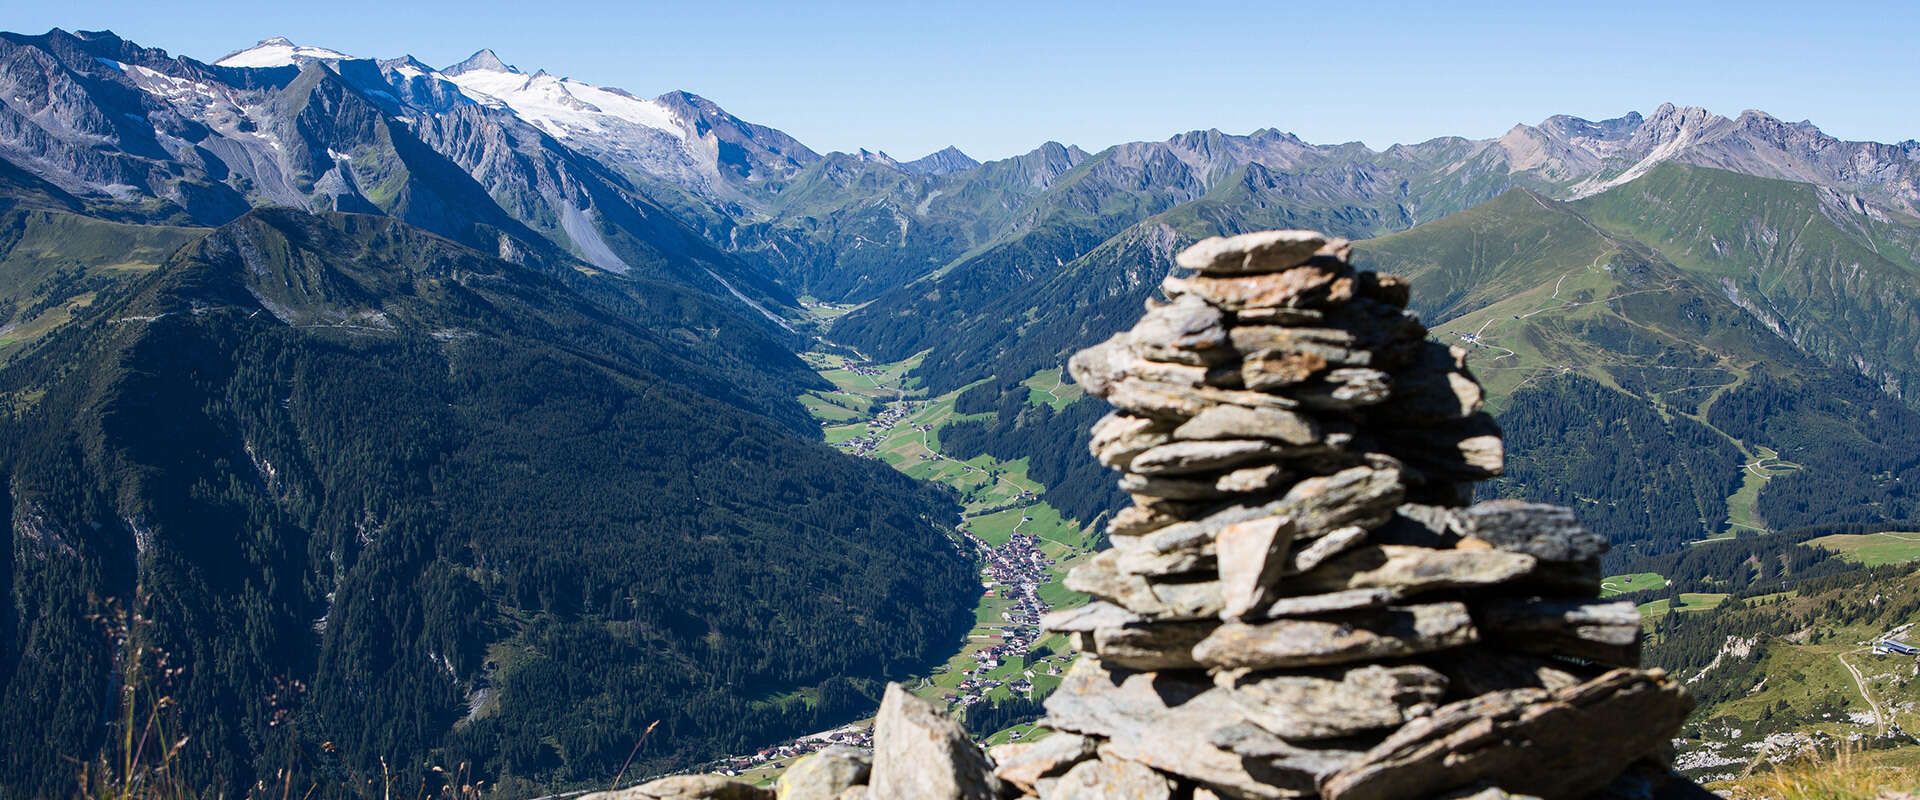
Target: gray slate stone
{"type": "Point", "coordinates": [1346, 389]}
{"type": "Point", "coordinates": [1100, 576]}
{"type": "Point", "coordinates": [1276, 424]}
{"type": "Point", "coordinates": [1107, 778]}
{"type": "Point", "coordinates": [1183, 457]}
{"type": "Point", "coordinates": [1330, 704]}
{"type": "Point", "coordinates": [1117, 438]}
{"type": "Point", "coordinates": [1314, 285]}
{"type": "Point", "coordinates": [1181, 402]}
{"type": "Point", "coordinates": [1150, 645]}
{"type": "Point", "coordinates": [1089, 617]}
{"type": "Point", "coordinates": [919, 752]}
{"type": "Point", "coordinates": [1468, 450]}
{"type": "Point", "coordinates": [1596, 630]}
{"type": "Point", "coordinates": [1411, 570]}
{"type": "Point", "coordinates": [1026, 764]}
{"type": "Point", "coordinates": [1264, 479]}
{"type": "Point", "coordinates": [1337, 541]}
{"type": "Point", "coordinates": [1164, 720]}
{"type": "Point", "coordinates": [1185, 331]}
{"type": "Point", "coordinates": [1332, 602]}
{"type": "Point", "coordinates": [1436, 388]}
{"type": "Point", "coordinates": [1393, 632]}
{"type": "Point", "coordinates": [1252, 556]}
{"type": "Point", "coordinates": [1546, 532]}
{"type": "Point", "coordinates": [1564, 743]}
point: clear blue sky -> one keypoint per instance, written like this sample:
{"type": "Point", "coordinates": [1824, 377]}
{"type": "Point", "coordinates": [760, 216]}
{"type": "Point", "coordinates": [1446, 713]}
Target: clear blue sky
{"type": "Point", "coordinates": [999, 78]}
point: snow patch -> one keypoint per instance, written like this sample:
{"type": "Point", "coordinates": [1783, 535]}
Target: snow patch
{"type": "Point", "coordinates": [279, 52]}
{"type": "Point", "coordinates": [564, 107]}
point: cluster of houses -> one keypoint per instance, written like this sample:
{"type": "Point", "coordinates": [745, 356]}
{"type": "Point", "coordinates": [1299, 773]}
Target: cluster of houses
{"type": "Point", "coordinates": [1014, 571]}
{"type": "Point", "coordinates": [877, 430]}
{"type": "Point", "coordinates": [854, 735]}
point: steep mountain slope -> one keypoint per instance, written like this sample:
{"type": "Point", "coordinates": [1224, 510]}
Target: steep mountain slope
{"type": "Point", "coordinates": [1577, 313]}
{"type": "Point", "coordinates": [309, 128]}
{"type": "Point", "coordinates": [379, 493]}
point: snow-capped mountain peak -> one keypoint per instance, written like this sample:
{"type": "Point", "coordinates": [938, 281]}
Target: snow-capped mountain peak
{"type": "Point", "coordinates": [563, 107]}
{"type": "Point", "coordinates": [483, 60]}
{"type": "Point", "coordinates": [279, 51]}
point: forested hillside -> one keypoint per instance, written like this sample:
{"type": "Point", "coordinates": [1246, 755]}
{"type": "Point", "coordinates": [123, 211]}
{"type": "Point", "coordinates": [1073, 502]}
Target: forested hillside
{"type": "Point", "coordinates": [380, 497]}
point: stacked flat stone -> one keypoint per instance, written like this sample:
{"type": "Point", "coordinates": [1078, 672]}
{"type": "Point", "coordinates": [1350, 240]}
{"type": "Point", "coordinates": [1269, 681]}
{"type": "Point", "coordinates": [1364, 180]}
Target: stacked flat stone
{"type": "Point", "coordinates": [1299, 601]}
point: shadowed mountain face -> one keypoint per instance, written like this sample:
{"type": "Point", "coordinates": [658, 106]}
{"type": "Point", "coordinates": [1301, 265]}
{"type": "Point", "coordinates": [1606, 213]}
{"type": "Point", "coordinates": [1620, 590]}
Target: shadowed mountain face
{"type": "Point", "coordinates": [447, 414]}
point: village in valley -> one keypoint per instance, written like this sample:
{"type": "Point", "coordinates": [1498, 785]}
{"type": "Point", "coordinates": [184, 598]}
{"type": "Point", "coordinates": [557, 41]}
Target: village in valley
{"type": "Point", "coordinates": [1023, 545]}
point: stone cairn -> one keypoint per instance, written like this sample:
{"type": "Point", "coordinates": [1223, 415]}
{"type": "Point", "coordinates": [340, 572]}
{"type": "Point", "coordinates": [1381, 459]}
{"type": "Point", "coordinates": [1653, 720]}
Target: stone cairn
{"type": "Point", "coordinates": [1301, 601]}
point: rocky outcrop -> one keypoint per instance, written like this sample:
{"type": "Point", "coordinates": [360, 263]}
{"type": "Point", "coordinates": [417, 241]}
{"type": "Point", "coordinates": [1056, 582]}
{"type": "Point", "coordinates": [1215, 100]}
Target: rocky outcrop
{"type": "Point", "coordinates": [1301, 602]}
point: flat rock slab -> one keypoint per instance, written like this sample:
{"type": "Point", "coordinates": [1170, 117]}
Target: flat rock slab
{"type": "Point", "coordinates": [1165, 720]}
{"type": "Point", "coordinates": [919, 752]}
{"type": "Point", "coordinates": [1393, 632]}
{"type": "Point", "coordinates": [1026, 764]}
{"type": "Point", "coordinates": [1268, 479]}
{"type": "Point", "coordinates": [1263, 251]}
{"type": "Point", "coordinates": [1149, 645]}
{"type": "Point", "coordinates": [1563, 743]}
{"type": "Point", "coordinates": [1252, 556]}
{"type": "Point", "coordinates": [1313, 285]}
{"type": "Point", "coordinates": [1276, 424]}
{"type": "Point", "coordinates": [1175, 458]}
{"type": "Point", "coordinates": [1411, 570]}
{"type": "Point", "coordinates": [1332, 602]}
{"type": "Point", "coordinates": [1101, 577]}
{"type": "Point", "coordinates": [1596, 630]}
{"type": "Point", "coordinates": [1330, 704]}
{"type": "Point", "coordinates": [1547, 532]}
{"type": "Point", "coordinates": [1179, 402]}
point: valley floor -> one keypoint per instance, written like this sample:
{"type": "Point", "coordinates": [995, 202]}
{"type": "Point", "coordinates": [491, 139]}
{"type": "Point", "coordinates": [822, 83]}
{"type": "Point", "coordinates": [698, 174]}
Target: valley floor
{"type": "Point", "coordinates": [1025, 546]}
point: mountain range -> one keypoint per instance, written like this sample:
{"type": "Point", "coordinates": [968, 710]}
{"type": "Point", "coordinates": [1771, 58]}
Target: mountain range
{"type": "Point", "coordinates": [464, 398]}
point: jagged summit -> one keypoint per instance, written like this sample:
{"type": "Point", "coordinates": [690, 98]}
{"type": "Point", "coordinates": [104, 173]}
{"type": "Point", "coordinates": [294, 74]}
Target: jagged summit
{"type": "Point", "coordinates": [483, 60]}
{"type": "Point", "coordinates": [279, 51]}
{"type": "Point", "coordinates": [941, 162]}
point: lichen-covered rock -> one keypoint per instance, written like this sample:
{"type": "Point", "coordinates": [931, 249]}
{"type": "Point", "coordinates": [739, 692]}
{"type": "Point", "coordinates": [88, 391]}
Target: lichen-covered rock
{"type": "Point", "coordinates": [919, 752]}
{"type": "Point", "coordinates": [1107, 778]}
{"type": "Point", "coordinates": [825, 775]}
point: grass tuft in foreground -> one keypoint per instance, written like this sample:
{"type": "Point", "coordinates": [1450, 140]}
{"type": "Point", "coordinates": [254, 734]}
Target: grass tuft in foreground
{"type": "Point", "coordinates": [1845, 773]}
